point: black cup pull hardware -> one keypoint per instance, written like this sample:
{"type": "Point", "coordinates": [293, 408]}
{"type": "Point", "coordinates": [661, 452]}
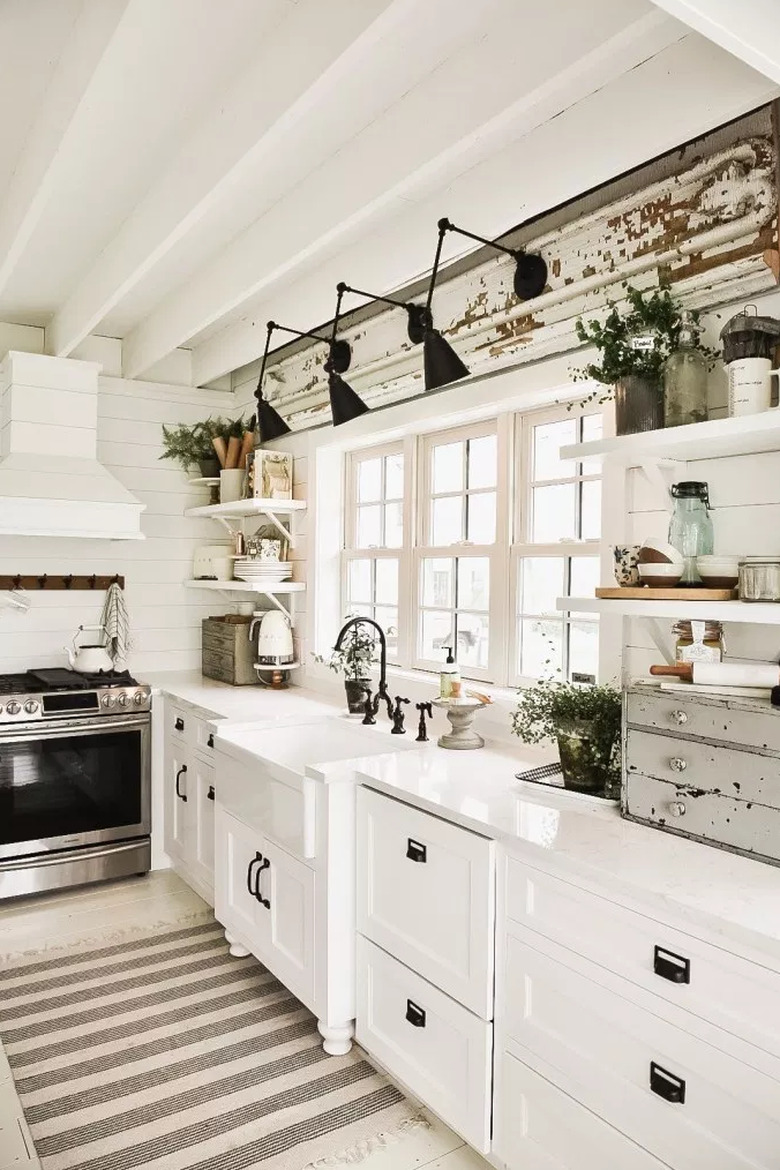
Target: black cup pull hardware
{"type": "Point", "coordinates": [210, 794]}
{"type": "Point", "coordinates": [667, 1085]}
{"type": "Point", "coordinates": [210, 740]}
{"type": "Point", "coordinates": [264, 864]}
{"type": "Point", "coordinates": [258, 857]}
{"type": "Point", "coordinates": [675, 968]}
{"type": "Point", "coordinates": [415, 1015]}
{"type": "Point", "coordinates": [181, 772]}
{"type": "Point", "coordinates": [179, 724]}
{"type": "Point", "coordinates": [415, 851]}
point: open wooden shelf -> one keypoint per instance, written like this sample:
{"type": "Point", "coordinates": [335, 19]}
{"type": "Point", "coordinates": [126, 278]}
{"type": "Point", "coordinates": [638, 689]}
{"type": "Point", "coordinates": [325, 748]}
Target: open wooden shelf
{"type": "Point", "coordinates": [249, 586]}
{"type": "Point", "coordinates": [241, 508]}
{"type": "Point", "coordinates": [761, 613]}
{"type": "Point", "coordinates": [716, 438]}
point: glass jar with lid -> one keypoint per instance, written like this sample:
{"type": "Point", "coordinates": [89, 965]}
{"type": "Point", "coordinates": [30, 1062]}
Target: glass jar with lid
{"type": "Point", "coordinates": [698, 641]}
{"type": "Point", "coordinates": [690, 529]}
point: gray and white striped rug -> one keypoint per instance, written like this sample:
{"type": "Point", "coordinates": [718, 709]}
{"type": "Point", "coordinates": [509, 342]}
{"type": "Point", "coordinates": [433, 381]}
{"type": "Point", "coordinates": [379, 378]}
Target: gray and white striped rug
{"type": "Point", "coordinates": [162, 1051]}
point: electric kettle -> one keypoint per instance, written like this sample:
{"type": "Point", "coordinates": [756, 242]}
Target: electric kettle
{"type": "Point", "coordinates": [274, 639]}
{"type": "Point", "coordinates": [93, 658]}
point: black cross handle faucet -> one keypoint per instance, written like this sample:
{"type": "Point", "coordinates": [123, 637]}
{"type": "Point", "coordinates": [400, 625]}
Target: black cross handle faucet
{"type": "Point", "coordinates": [422, 730]}
{"type": "Point", "coordinates": [398, 717]}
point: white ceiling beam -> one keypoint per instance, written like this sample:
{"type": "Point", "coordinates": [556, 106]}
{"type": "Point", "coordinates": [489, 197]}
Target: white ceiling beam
{"type": "Point", "coordinates": [750, 29]}
{"type": "Point", "coordinates": [298, 68]}
{"type": "Point", "coordinates": [46, 149]}
{"type": "Point", "coordinates": [666, 100]}
{"type": "Point", "coordinates": [358, 188]}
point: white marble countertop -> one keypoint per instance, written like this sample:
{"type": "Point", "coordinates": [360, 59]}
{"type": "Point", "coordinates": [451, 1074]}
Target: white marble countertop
{"type": "Point", "coordinates": [666, 877]}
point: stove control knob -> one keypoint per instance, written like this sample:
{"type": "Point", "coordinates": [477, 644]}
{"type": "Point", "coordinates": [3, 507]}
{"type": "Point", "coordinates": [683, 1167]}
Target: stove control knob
{"type": "Point", "coordinates": [31, 706]}
{"type": "Point", "coordinates": [138, 698]}
{"type": "Point", "coordinates": [122, 699]}
{"type": "Point", "coordinates": [108, 700]}
{"type": "Point", "coordinates": [13, 708]}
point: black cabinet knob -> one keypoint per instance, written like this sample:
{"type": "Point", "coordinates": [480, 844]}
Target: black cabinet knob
{"type": "Point", "coordinates": [415, 851]}
{"type": "Point", "coordinates": [415, 1015]}
{"type": "Point", "coordinates": [667, 1085]}
{"type": "Point", "coordinates": [179, 724]}
{"type": "Point", "coordinates": [675, 968]}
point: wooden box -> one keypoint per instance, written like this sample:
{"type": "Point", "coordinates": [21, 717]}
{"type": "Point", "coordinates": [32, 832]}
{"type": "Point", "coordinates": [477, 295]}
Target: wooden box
{"type": "Point", "coordinates": [227, 652]}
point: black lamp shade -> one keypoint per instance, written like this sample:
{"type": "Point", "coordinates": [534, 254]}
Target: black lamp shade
{"type": "Point", "coordinates": [345, 404]}
{"type": "Point", "coordinates": [270, 423]}
{"type": "Point", "coordinates": [442, 365]}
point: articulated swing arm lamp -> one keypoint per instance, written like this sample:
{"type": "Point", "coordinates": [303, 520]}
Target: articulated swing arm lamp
{"type": "Point", "coordinates": [530, 271]}
{"type": "Point", "coordinates": [419, 317]}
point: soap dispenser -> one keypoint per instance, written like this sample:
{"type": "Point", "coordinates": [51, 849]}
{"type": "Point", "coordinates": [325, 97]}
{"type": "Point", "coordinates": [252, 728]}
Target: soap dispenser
{"type": "Point", "coordinates": [449, 674]}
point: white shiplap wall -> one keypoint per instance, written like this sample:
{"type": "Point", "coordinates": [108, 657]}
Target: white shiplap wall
{"type": "Point", "coordinates": [164, 616]}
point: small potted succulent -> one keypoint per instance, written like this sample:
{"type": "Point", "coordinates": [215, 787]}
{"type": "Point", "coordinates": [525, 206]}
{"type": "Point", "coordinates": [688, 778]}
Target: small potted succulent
{"type": "Point", "coordinates": [585, 721]}
{"type": "Point", "coordinates": [634, 344]}
{"type": "Point", "coordinates": [354, 660]}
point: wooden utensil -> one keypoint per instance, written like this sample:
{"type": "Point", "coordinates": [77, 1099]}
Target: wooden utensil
{"type": "Point", "coordinates": [220, 446]}
{"type": "Point", "coordinates": [734, 674]}
{"type": "Point", "coordinates": [233, 452]}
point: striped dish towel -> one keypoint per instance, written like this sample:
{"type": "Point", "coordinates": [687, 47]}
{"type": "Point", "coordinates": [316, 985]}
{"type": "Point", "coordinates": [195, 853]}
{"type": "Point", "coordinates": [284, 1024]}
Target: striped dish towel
{"type": "Point", "coordinates": [116, 623]}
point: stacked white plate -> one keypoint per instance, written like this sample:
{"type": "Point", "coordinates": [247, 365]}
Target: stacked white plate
{"type": "Point", "coordinates": [262, 572]}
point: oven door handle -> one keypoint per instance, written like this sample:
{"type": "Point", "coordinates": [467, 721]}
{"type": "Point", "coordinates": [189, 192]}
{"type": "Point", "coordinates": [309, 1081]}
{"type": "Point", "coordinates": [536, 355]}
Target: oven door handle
{"type": "Point", "coordinates": [70, 728]}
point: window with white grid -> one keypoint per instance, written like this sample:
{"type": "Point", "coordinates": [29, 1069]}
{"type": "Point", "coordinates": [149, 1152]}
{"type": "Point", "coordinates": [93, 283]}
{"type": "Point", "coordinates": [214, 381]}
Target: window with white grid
{"type": "Point", "coordinates": [558, 526]}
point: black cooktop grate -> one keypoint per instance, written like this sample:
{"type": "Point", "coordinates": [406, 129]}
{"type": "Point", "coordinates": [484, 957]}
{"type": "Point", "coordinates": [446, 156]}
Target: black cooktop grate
{"type": "Point", "coordinates": [59, 679]}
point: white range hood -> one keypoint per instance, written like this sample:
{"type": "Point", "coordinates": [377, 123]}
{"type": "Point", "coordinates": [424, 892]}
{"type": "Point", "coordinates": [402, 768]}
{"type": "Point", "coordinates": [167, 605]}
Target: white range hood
{"type": "Point", "coordinates": [51, 483]}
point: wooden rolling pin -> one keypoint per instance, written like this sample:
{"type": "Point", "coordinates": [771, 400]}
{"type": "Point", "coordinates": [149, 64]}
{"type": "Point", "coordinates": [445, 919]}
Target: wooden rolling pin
{"type": "Point", "coordinates": [717, 674]}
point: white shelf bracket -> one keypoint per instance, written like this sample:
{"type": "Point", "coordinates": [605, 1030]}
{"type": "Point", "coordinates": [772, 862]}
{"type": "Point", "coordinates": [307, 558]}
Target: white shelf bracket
{"type": "Point", "coordinates": [661, 474]}
{"type": "Point", "coordinates": [226, 524]}
{"type": "Point", "coordinates": [660, 639]}
{"type": "Point", "coordinates": [288, 613]}
{"type": "Point", "coordinates": [286, 532]}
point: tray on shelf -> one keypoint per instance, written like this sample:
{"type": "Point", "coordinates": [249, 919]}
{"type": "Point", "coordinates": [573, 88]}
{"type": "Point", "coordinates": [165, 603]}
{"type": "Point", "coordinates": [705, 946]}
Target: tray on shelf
{"type": "Point", "coordinates": [677, 593]}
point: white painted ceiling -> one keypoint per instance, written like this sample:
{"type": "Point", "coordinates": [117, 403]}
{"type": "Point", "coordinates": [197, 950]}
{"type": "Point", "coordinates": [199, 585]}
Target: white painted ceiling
{"type": "Point", "coordinates": [174, 172]}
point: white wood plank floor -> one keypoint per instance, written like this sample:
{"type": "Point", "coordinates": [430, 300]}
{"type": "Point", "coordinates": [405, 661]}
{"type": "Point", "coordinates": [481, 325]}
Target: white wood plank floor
{"type": "Point", "coordinates": [161, 898]}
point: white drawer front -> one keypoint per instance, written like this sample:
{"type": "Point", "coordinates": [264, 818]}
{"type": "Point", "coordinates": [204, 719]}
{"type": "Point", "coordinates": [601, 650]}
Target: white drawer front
{"type": "Point", "coordinates": [752, 828]}
{"type": "Point", "coordinates": [671, 713]}
{"type": "Point", "coordinates": [437, 1049]}
{"type": "Point", "coordinates": [736, 774]}
{"type": "Point", "coordinates": [723, 989]}
{"type": "Point", "coordinates": [426, 893]}
{"type": "Point", "coordinates": [620, 1060]}
{"type": "Point", "coordinates": [538, 1127]}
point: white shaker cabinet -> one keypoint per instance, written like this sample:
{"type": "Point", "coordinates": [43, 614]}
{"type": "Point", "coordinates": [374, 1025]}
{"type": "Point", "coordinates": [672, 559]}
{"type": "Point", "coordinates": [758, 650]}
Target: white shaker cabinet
{"type": "Point", "coordinates": [189, 796]}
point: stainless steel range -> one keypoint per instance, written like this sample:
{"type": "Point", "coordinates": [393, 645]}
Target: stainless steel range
{"type": "Point", "coordinates": [75, 779]}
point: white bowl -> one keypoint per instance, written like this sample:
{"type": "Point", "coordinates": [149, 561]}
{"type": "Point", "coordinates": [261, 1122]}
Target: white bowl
{"type": "Point", "coordinates": [716, 562]}
{"type": "Point", "coordinates": [669, 554]}
{"type": "Point", "coordinates": [660, 575]}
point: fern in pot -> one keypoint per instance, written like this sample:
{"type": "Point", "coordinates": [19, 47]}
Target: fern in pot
{"type": "Point", "coordinates": [585, 721]}
{"type": "Point", "coordinates": [354, 660]}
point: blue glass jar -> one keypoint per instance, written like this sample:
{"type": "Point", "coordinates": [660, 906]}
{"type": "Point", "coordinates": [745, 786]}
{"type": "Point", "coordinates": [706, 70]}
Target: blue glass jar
{"type": "Point", "coordinates": [690, 529]}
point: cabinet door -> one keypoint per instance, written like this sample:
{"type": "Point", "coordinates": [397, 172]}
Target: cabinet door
{"type": "Point", "coordinates": [199, 853]}
{"type": "Point", "coordinates": [288, 885]}
{"type": "Point", "coordinates": [176, 798]}
{"type": "Point", "coordinates": [235, 871]}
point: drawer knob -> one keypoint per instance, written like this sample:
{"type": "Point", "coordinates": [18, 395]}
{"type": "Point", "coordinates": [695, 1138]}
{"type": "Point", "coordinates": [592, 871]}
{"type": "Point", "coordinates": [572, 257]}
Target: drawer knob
{"type": "Point", "coordinates": [415, 851]}
{"type": "Point", "coordinates": [667, 1085]}
{"type": "Point", "coordinates": [179, 724]}
{"type": "Point", "coordinates": [415, 1015]}
{"type": "Point", "coordinates": [679, 717]}
{"type": "Point", "coordinates": [668, 965]}
{"type": "Point", "coordinates": [677, 764]}
{"type": "Point", "coordinates": [677, 808]}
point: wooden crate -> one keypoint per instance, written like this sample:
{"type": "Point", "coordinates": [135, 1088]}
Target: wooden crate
{"type": "Point", "coordinates": [227, 653]}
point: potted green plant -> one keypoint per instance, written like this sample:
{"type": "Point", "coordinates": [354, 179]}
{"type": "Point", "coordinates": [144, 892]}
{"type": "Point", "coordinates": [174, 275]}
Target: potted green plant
{"type": "Point", "coordinates": [194, 446]}
{"type": "Point", "coordinates": [585, 721]}
{"type": "Point", "coordinates": [354, 660]}
{"type": "Point", "coordinates": [634, 344]}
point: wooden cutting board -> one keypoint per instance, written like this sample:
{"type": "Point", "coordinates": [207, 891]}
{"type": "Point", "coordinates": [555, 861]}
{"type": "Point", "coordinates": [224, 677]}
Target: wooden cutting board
{"type": "Point", "coordinates": [678, 593]}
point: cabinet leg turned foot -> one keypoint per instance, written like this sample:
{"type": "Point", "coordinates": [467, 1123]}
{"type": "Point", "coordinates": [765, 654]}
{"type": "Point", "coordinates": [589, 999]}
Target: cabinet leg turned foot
{"type": "Point", "coordinates": [235, 948]}
{"type": "Point", "coordinates": [336, 1039]}
{"type": "Point", "coordinates": [229, 938]}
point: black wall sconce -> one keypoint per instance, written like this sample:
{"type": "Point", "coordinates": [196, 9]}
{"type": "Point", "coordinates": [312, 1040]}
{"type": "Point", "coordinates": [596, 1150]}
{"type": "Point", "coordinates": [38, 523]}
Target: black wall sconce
{"type": "Point", "coordinates": [440, 362]}
{"type": "Point", "coordinates": [345, 404]}
{"type": "Point", "coordinates": [269, 422]}
{"type": "Point", "coordinates": [419, 318]}
{"type": "Point", "coordinates": [530, 268]}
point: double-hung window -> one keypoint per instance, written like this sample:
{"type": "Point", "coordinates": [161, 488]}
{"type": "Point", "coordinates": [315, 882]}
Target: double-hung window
{"type": "Point", "coordinates": [464, 538]}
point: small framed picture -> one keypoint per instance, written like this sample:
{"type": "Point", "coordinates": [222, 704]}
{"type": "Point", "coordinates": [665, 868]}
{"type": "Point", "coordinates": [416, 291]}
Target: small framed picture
{"type": "Point", "coordinates": [269, 475]}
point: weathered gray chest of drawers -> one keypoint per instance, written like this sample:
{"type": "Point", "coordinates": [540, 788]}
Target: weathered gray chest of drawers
{"type": "Point", "coordinates": [706, 767]}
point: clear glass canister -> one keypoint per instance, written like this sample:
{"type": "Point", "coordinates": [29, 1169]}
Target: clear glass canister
{"type": "Point", "coordinates": [698, 641]}
{"type": "Point", "coordinates": [759, 580]}
{"type": "Point", "coordinates": [690, 529]}
{"type": "Point", "coordinates": [685, 379]}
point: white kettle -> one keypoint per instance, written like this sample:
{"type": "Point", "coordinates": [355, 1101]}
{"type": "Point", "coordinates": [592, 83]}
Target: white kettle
{"type": "Point", "coordinates": [92, 658]}
{"type": "Point", "coordinates": [274, 641]}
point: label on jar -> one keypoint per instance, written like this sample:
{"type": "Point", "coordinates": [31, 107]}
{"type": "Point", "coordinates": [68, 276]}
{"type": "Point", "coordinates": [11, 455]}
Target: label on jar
{"type": "Point", "coordinates": [696, 649]}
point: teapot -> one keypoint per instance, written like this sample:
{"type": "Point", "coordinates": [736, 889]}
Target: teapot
{"type": "Point", "coordinates": [89, 659]}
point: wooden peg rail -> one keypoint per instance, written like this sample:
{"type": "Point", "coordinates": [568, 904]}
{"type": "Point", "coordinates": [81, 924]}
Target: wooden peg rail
{"type": "Point", "coordinates": [59, 581]}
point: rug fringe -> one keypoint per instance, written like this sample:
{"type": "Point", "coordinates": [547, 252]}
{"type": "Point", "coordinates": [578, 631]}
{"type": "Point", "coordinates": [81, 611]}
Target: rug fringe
{"type": "Point", "coordinates": [362, 1150]}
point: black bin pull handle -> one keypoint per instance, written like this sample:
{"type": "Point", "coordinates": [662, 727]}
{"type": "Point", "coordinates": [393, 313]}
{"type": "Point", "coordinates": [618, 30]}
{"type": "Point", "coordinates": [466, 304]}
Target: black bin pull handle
{"type": "Point", "coordinates": [258, 857]}
{"type": "Point", "coordinates": [415, 1015]}
{"type": "Point", "coordinates": [210, 795]}
{"type": "Point", "coordinates": [675, 968]}
{"type": "Point", "coordinates": [179, 724]}
{"type": "Point", "coordinates": [210, 740]}
{"type": "Point", "coordinates": [415, 851]}
{"type": "Point", "coordinates": [667, 1085]}
{"type": "Point", "coordinates": [181, 772]}
{"type": "Point", "coordinates": [264, 864]}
